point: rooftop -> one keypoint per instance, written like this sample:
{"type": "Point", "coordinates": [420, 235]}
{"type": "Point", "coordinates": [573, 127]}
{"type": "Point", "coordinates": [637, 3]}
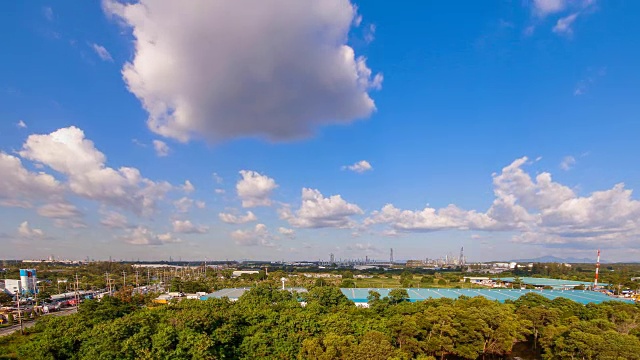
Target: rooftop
{"type": "Point", "coordinates": [580, 296]}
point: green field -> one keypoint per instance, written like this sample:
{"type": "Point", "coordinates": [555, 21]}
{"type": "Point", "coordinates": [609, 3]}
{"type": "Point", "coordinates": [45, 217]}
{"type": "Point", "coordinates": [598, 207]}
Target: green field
{"type": "Point", "coordinates": [390, 283]}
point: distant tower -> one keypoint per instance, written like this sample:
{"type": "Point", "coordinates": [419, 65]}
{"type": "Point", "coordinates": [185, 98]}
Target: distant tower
{"type": "Point", "coordinates": [332, 258]}
{"type": "Point", "coordinates": [461, 259]}
{"type": "Point", "coordinates": [595, 282]}
{"type": "Point", "coordinates": [391, 256]}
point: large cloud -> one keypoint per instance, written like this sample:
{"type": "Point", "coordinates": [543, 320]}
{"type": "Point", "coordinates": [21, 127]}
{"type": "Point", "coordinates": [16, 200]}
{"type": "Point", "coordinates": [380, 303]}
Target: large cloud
{"type": "Point", "coordinates": [19, 187]}
{"type": "Point", "coordinates": [255, 189]}
{"type": "Point", "coordinates": [538, 210]}
{"type": "Point", "coordinates": [317, 211]}
{"type": "Point", "coordinates": [68, 152]}
{"type": "Point", "coordinates": [221, 69]}
{"type": "Point", "coordinates": [429, 219]}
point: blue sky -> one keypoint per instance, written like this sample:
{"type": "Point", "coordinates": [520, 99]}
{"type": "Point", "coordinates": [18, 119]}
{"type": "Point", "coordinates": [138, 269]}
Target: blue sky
{"type": "Point", "coordinates": [309, 128]}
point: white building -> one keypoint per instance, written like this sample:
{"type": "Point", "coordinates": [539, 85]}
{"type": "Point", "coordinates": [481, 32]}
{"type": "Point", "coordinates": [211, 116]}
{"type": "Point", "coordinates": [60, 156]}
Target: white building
{"type": "Point", "coordinates": [12, 287]}
{"type": "Point", "coordinates": [238, 273]}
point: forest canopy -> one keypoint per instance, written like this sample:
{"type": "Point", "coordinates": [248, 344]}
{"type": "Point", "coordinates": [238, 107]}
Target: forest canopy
{"type": "Point", "coordinates": [266, 323]}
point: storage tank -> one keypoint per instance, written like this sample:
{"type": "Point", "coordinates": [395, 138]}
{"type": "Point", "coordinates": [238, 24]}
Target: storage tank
{"type": "Point", "coordinates": [28, 281]}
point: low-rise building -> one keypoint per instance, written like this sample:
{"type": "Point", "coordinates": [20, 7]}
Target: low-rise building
{"type": "Point", "coordinates": [11, 286]}
{"type": "Point", "coordinates": [238, 273]}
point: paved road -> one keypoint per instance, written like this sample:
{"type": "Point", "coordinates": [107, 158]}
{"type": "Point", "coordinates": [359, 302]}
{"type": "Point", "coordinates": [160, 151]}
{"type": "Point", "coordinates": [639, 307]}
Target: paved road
{"type": "Point", "coordinates": [10, 330]}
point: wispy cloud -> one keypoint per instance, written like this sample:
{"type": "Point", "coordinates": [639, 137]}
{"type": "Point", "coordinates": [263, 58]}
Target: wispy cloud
{"type": "Point", "coordinates": [161, 148]}
{"type": "Point", "coordinates": [47, 12]}
{"type": "Point", "coordinates": [585, 84]}
{"type": "Point", "coordinates": [102, 52]}
{"type": "Point", "coordinates": [563, 25]}
{"type": "Point", "coordinates": [567, 163]}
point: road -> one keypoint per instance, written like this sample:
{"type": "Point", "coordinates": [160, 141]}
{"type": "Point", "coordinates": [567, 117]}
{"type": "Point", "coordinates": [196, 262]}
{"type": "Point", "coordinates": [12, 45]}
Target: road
{"type": "Point", "coordinates": [10, 330]}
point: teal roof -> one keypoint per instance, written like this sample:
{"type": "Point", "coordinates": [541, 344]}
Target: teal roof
{"type": "Point", "coordinates": [580, 296]}
{"type": "Point", "coordinates": [359, 295]}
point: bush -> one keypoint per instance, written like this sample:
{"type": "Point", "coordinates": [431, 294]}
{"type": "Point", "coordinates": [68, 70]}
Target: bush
{"type": "Point", "coordinates": [427, 280]}
{"type": "Point", "coordinates": [348, 283]}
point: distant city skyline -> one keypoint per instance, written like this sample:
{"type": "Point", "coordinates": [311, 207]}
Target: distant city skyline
{"type": "Point", "coordinates": [155, 129]}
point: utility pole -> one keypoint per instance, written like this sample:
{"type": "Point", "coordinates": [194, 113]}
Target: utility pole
{"type": "Point", "coordinates": [19, 312]}
{"type": "Point", "coordinates": [77, 295]}
{"type": "Point", "coordinates": [108, 276]}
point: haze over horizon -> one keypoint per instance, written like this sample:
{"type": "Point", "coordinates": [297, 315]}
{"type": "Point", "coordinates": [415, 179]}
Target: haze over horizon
{"type": "Point", "coordinates": [290, 130]}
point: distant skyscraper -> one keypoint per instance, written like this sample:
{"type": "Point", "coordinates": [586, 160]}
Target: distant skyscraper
{"type": "Point", "coordinates": [331, 258]}
{"type": "Point", "coordinates": [391, 255]}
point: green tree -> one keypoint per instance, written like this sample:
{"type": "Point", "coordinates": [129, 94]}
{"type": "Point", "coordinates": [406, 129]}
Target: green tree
{"type": "Point", "coordinates": [398, 295]}
{"type": "Point", "coordinates": [348, 283]}
{"type": "Point", "coordinates": [5, 298]}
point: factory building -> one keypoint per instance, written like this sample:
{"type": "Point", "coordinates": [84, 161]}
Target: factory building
{"type": "Point", "coordinates": [26, 286]}
{"type": "Point", "coordinates": [10, 286]}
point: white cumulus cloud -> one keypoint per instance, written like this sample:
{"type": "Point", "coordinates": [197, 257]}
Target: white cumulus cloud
{"type": "Point", "coordinates": [221, 69]}
{"type": "Point", "coordinates": [142, 235]}
{"type": "Point", "coordinates": [186, 227]}
{"type": "Point", "coordinates": [255, 189]}
{"type": "Point", "coordinates": [359, 167]}
{"type": "Point", "coordinates": [20, 187]}
{"type": "Point", "coordinates": [237, 219]}
{"type": "Point", "coordinates": [25, 231]}
{"type": "Point", "coordinates": [538, 210]}
{"type": "Point", "coordinates": [430, 219]}
{"type": "Point", "coordinates": [290, 233]}
{"type": "Point", "coordinates": [68, 152]}
{"type": "Point", "coordinates": [317, 211]}
{"type": "Point", "coordinates": [188, 187]}
{"type": "Point", "coordinates": [258, 236]}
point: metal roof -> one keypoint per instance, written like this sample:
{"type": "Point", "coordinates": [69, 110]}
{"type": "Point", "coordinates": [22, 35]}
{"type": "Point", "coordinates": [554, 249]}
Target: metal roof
{"type": "Point", "coordinates": [359, 295]}
{"type": "Point", "coordinates": [581, 296]}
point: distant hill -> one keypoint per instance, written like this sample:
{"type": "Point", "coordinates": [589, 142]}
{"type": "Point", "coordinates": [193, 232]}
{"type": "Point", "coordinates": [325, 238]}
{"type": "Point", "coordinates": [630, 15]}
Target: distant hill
{"type": "Point", "coordinates": [555, 259]}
